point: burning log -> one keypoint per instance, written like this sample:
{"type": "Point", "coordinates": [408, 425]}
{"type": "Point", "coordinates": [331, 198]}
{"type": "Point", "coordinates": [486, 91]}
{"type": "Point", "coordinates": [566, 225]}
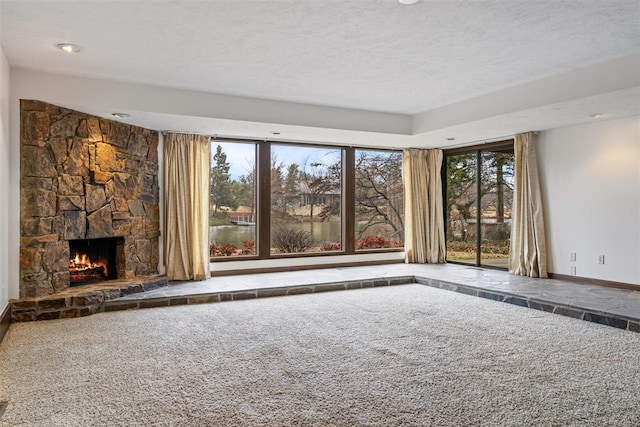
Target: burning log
{"type": "Point", "coordinates": [82, 269]}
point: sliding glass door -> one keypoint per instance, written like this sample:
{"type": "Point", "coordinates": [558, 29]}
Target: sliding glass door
{"type": "Point", "coordinates": [479, 197]}
{"type": "Point", "coordinates": [461, 207]}
{"type": "Point", "coordinates": [496, 206]}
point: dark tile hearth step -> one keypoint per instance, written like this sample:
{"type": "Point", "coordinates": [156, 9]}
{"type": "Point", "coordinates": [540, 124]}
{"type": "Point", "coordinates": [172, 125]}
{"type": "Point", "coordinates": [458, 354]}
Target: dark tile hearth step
{"type": "Point", "coordinates": [203, 298]}
{"type": "Point", "coordinates": [132, 294]}
{"type": "Point", "coordinates": [631, 323]}
{"type": "Point", "coordinates": [81, 300]}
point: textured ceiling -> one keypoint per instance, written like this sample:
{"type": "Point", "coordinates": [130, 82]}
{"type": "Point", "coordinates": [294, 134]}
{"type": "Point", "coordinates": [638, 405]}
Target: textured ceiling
{"type": "Point", "coordinates": [444, 67]}
{"type": "Point", "coordinates": [369, 54]}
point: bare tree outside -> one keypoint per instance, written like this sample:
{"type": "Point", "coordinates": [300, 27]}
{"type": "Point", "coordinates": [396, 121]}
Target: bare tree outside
{"type": "Point", "coordinates": [305, 198]}
{"type": "Point", "coordinates": [379, 199]}
{"type": "Point", "coordinates": [320, 181]}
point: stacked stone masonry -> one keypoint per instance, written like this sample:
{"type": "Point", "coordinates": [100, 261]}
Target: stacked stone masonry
{"type": "Point", "coordinates": [84, 177]}
{"type": "Point", "coordinates": [82, 300]}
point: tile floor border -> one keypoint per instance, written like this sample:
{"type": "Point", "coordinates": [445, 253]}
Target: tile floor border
{"type": "Point", "coordinates": [212, 297]}
{"type": "Point", "coordinates": [629, 323]}
{"type": "Point", "coordinates": [601, 317]}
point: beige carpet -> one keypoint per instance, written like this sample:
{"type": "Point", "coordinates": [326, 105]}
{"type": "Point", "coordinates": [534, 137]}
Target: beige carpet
{"type": "Point", "coordinates": [403, 355]}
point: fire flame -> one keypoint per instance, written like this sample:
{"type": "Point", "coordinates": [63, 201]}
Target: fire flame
{"type": "Point", "coordinates": [81, 262]}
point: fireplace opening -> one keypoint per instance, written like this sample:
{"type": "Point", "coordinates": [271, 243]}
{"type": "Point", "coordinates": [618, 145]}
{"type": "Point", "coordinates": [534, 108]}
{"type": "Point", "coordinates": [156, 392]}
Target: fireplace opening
{"type": "Point", "coordinates": [93, 260]}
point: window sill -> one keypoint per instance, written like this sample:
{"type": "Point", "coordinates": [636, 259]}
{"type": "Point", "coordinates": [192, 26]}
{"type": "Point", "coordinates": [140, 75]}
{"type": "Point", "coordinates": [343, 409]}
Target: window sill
{"type": "Point", "coordinates": [239, 266]}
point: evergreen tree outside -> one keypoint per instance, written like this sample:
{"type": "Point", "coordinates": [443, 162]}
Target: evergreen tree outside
{"type": "Point", "coordinates": [246, 195]}
{"type": "Point", "coordinates": [221, 194]}
{"type": "Point", "coordinates": [278, 202]}
{"type": "Point", "coordinates": [483, 207]}
{"type": "Point", "coordinates": [291, 188]}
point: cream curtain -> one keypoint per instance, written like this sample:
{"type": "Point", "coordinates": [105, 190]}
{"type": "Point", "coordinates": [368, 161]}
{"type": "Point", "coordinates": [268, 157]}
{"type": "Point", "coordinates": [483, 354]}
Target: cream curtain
{"type": "Point", "coordinates": [424, 222]}
{"type": "Point", "coordinates": [528, 251]}
{"type": "Point", "coordinates": [186, 174]}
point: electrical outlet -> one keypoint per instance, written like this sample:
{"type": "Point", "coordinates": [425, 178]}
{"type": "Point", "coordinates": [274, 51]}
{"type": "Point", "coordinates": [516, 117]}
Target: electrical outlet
{"type": "Point", "coordinates": [573, 257]}
{"type": "Point", "coordinates": [573, 270]}
{"type": "Point", "coordinates": [600, 259]}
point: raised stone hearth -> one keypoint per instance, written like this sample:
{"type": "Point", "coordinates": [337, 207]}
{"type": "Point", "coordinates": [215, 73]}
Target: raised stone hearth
{"type": "Point", "coordinates": [84, 177]}
{"type": "Point", "coordinates": [81, 301]}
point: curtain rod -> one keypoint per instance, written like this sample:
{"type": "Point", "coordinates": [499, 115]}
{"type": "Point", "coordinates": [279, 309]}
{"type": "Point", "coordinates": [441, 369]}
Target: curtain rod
{"type": "Point", "coordinates": [299, 141]}
{"type": "Point", "coordinates": [219, 136]}
{"type": "Point", "coordinates": [371, 147]}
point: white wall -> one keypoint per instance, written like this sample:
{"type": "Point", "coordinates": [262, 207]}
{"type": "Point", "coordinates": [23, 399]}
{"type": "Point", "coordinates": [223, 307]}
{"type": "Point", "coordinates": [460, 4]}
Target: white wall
{"type": "Point", "coordinates": [611, 76]}
{"type": "Point", "coordinates": [5, 163]}
{"type": "Point", "coordinates": [591, 188]}
{"type": "Point", "coordinates": [75, 92]}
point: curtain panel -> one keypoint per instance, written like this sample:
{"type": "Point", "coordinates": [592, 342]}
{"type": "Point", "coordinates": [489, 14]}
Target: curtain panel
{"type": "Point", "coordinates": [424, 218]}
{"type": "Point", "coordinates": [186, 177]}
{"type": "Point", "coordinates": [528, 250]}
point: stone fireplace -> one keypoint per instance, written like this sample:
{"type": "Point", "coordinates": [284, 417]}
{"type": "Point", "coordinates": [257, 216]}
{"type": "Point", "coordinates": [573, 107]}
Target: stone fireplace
{"type": "Point", "coordinates": [84, 177]}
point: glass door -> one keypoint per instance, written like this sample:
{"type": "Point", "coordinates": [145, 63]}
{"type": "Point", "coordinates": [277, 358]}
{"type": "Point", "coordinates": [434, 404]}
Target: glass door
{"type": "Point", "coordinates": [495, 207]}
{"type": "Point", "coordinates": [479, 200]}
{"type": "Point", "coordinates": [461, 207]}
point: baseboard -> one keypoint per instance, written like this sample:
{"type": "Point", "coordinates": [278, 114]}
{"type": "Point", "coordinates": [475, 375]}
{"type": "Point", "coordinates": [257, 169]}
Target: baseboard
{"type": "Point", "coordinates": [219, 273]}
{"type": "Point", "coordinates": [5, 319]}
{"type": "Point", "coordinates": [590, 281]}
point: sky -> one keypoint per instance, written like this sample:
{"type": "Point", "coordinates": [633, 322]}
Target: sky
{"type": "Point", "coordinates": [241, 156]}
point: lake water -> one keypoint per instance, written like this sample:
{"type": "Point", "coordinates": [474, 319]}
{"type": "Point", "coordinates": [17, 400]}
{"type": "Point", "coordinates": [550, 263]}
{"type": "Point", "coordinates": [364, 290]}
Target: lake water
{"type": "Point", "coordinates": [321, 232]}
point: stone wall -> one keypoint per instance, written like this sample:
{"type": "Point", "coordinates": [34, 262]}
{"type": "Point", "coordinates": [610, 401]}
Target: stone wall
{"type": "Point", "coordinates": [84, 177]}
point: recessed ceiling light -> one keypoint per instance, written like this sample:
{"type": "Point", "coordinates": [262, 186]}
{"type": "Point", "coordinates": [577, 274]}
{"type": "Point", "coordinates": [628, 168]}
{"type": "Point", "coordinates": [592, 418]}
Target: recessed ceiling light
{"type": "Point", "coordinates": [408, 1]}
{"type": "Point", "coordinates": [69, 48]}
{"type": "Point", "coordinates": [274, 133]}
{"type": "Point", "coordinates": [595, 115]}
{"type": "Point", "coordinates": [121, 115]}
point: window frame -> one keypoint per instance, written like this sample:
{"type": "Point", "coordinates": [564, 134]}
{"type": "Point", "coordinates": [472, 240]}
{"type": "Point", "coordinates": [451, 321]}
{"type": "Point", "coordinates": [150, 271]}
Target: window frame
{"type": "Point", "coordinates": [263, 202]}
{"type": "Point", "coordinates": [478, 150]}
{"type": "Point", "coordinates": [255, 159]}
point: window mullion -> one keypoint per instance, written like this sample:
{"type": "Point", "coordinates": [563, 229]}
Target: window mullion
{"type": "Point", "coordinates": [478, 207]}
{"type": "Point", "coordinates": [349, 201]}
{"type": "Point", "coordinates": [264, 199]}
